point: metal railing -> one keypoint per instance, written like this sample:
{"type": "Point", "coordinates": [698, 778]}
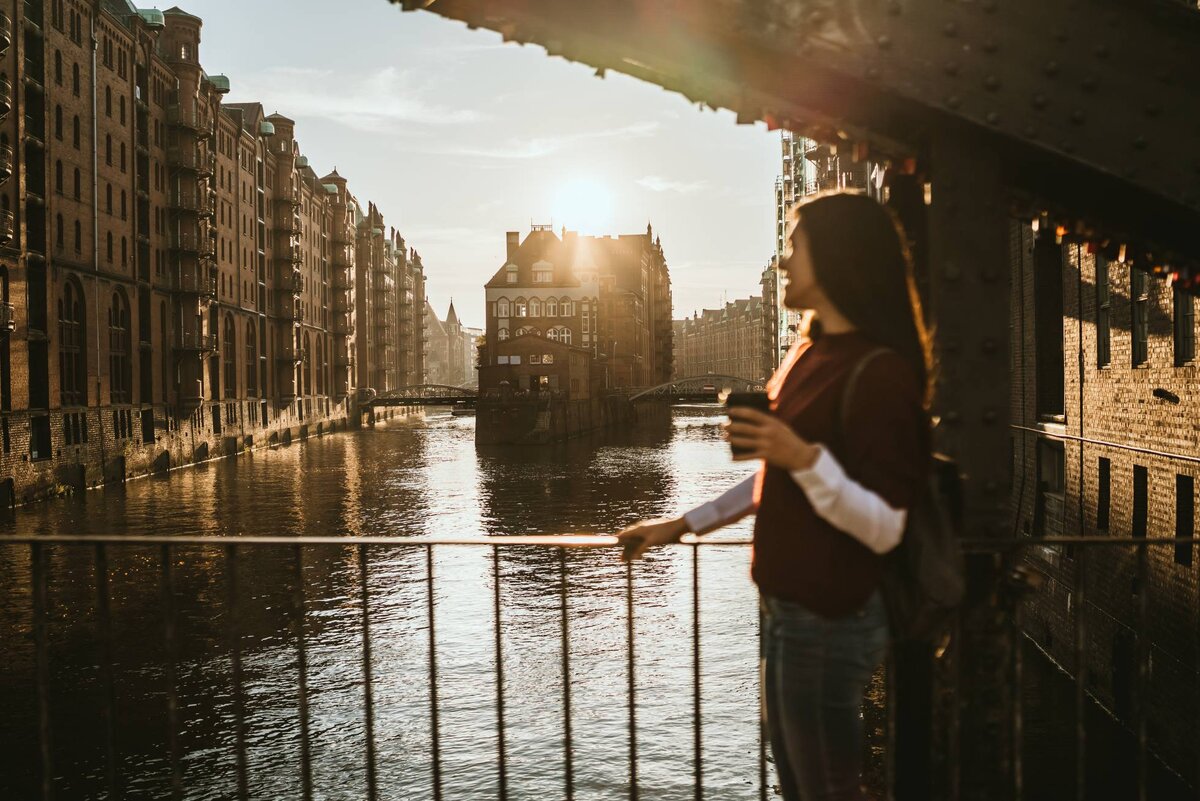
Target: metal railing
{"type": "Point", "coordinates": [1016, 554]}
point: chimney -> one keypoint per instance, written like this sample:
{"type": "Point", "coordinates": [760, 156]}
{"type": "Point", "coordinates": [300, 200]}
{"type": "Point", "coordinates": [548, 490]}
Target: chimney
{"type": "Point", "coordinates": [513, 241]}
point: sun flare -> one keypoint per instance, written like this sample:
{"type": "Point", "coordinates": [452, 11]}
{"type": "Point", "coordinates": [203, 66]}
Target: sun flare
{"type": "Point", "coordinates": [583, 204]}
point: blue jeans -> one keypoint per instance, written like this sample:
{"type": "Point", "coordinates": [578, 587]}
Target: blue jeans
{"type": "Point", "coordinates": [814, 673]}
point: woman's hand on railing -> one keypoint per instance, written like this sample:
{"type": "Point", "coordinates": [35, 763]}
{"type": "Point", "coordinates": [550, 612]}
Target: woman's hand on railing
{"type": "Point", "coordinates": [764, 436]}
{"type": "Point", "coordinates": [640, 536]}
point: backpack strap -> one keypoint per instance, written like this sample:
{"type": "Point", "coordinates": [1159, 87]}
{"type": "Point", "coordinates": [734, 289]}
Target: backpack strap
{"type": "Point", "coordinates": [848, 391]}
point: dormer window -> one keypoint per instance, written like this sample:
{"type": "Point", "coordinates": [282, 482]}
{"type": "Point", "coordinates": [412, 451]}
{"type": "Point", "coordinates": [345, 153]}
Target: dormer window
{"type": "Point", "coordinates": [543, 276]}
{"type": "Point", "coordinates": [512, 273]}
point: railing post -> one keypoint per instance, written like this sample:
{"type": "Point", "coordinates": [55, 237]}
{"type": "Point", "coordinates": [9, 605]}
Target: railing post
{"type": "Point", "coordinates": [233, 631]}
{"type": "Point", "coordinates": [368, 693]}
{"type": "Point", "coordinates": [37, 557]}
{"type": "Point", "coordinates": [629, 630]}
{"type": "Point", "coordinates": [298, 607]}
{"type": "Point", "coordinates": [168, 603]}
{"type": "Point", "coordinates": [697, 761]}
{"type": "Point", "coordinates": [104, 630]}
{"type": "Point", "coordinates": [568, 759]}
{"type": "Point", "coordinates": [433, 683]}
{"type": "Point", "coordinates": [501, 747]}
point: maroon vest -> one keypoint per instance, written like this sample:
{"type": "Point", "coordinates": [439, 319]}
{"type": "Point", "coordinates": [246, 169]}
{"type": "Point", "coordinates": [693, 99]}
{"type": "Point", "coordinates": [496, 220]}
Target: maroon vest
{"type": "Point", "coordinates": [798, 556]}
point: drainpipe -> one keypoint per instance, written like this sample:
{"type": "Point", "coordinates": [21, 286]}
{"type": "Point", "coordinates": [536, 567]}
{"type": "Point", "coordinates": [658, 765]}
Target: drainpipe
{"type": "Point", "coordinates": [96, 232]}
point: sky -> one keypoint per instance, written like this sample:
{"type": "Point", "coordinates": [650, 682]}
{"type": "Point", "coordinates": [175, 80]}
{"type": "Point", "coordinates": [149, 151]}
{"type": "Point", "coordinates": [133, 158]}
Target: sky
{"type": "Point", "coordinates": [458, 138]}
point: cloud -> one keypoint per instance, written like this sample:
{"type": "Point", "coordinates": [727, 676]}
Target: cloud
{"type": "Point", "coordinates": [373, 102]}
{"type": "Point", "coordinates": [533, 147]}
{"type": "Point", "coordinates": [657, 183]}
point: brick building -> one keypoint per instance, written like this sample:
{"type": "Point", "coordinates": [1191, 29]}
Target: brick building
{"type": "Point", "coordinates": [609, 296]}
{"type": "Point", "coordinates": [177, 278]}
{"type": "Point", "coordinates": [453, 349]}
{"type": "Point", "coordinates": [726, 341]}
{"type": "Point", "coordinates": [1106, 395]}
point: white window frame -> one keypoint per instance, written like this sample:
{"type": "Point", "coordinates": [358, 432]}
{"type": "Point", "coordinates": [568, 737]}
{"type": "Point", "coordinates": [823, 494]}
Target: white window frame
{"type": "Point", "coordinates": [552, 307]}
{"type": "Point", "coordinates": [502, 334]}
{"type": "Point", "coordinates": [535, 307]}
{"type": "Point", "coordinates": [522, 308]}
{"type": "Point", "coordinates": [502, 309]}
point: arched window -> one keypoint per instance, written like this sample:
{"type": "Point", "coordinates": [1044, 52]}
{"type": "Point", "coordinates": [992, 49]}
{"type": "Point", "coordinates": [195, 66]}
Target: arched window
{"type": "Point", "coordinates": [502, 334]}
{"type": "Point", "coordinates": [75, 79]}
{"type": "Point", "coordinates": [564, 308]}
{"type": "Point", "coordinates": [251, 360]}
{"type": "Point", "coordinates": [229, 357]}
{"type": "Point", "coordinates": [552, 307]}
{"type": "Point", "coordinates": [108, 149]}
{"type": "Point", "coordinates": [502, 308]}
{"type": "Point", "coordinates": [306, 366]}
{"type": "Point", "coordinates": [58, 73]}
{"type": "Point", "coordinates": [522, 310]}
{"type": "Point", "coordinates": [108, 101]}
{"type": "Point", "coordinates": [75, 131]}
{"type": "Point", "coordinates": [59, 234]}
{"type": "Point", "coordinates": [165, 366]}
{"type": "Point", "coordinates": [58, 125]}
{"type": "Point", "coordinates": [72, 369]}
{"type": "Point", "coordinates": [58, 177]}
{"type": "Point", "coordinates": [120, 371]}
{"type": "Point", "coordinates": [535, 308]}
{"type": "Point", "coordinates": [78, 237]}
{"type": "Point", "coordinates": [110, 247]}
{"type": "Point", "coordinates": [124, 251]}
{"type": "Point", "coordinates": [322, 366]}
{"type": "Point", "coordinates": [564, 335]}
{"type": "Point", "coordinates": [108, 198]}
{"type": "Point", "coordinates": [552, 334]}
{"type": "Point", "coordinates": [122, 110]}
{"type": "Point", "coordinates": [124, 207]}
{"type": "Point", "coordinates": [78, 185]}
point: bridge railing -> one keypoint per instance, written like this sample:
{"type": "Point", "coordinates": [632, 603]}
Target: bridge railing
{"type": "Point", "coordinates": [239, 604]}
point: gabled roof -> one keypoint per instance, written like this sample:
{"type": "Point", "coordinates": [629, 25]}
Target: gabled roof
{"type": "Point", "coordinates": [451, 316]}
{"type": "Point", "coordinates": [432, 322]}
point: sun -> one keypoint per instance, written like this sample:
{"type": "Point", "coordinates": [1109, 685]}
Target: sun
{"type": "Point", "coordinates": [583, 204]}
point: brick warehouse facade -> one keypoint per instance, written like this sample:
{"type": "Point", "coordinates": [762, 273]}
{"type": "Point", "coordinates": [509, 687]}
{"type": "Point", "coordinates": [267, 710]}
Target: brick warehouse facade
{"type": "Point", "coordinates": [1106, 395]}
{"type": "Point", "coordinates": [726, 341]}
{"type": "Point", "coordinates": [178, 282]}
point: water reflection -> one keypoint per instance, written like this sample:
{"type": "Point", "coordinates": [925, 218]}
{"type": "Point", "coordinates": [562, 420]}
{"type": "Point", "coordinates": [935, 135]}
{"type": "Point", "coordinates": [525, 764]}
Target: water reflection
{"type": "Point", "coordinates": [408, 479]}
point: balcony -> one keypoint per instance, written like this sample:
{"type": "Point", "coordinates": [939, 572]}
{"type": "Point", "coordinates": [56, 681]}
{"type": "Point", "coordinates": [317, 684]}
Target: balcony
{"type": "Point", "coordinates": [6, 32]}
{"type": "Point", "coordinates": [188, 118]}
{"type": "Point", "coordinates": [198, 201]}
{"type": "Point", "coordinates": [341, 324]}
{"type": "Point", "coordinates": [7, 227]}
{"type": "Point", "coordinates": [288, 195]}
{"type": "Point", "coordinates": [192, 342]}
{"type": "Point", "coordinates": [289, 254]}
{"type": "Point", "coordinates": [191, 281]}
{"type": "Point", "coordinates": [33, 74]}
{"type": "Point", "coordinates": [341, 303]}
{"type": "Point", "coordinates": [341, 281]}
{"type": "Point", "coordinates": [291, 282]}
{"type": "Point", "coordinates": [5, 97]}
{"type": "Point", "coordinates": [287, 224]}
{"type": "Point", "coordinates": [287, 353]}
{"type": "Point", "coordinates": [8, 320]}
{"type": "Point", "coordinates": [341, 259]}
{"type": "Point", "coordinates": [288, 309]}
{"type": "Point", "coordinates": [192, 242]}
{"type": "Point", "coordinates": [189, 158]}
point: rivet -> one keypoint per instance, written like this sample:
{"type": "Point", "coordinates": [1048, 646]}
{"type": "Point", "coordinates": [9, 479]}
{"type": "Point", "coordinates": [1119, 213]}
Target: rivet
{"type": "Point", "coordinates": [884, 42]}
{"type": "Point", "coordinates": [1077, 117]}
{"type": "Point", "coordinates": [991, 83]}
{"type": "Point", "coordinates": [992, 118]}
{"type": "Point", "coordinates": [1088, 83]}
{"type": "Point", "coordinates": [953, 101]}
{"type": "Point", "coordinates": [950, 68]}
{"type": "Point", "coordinates": [1051, 68]}
{"type": "Point", "coordinates": [950, 29]}
{"type": "Point", "coordinates": [1039, 100]}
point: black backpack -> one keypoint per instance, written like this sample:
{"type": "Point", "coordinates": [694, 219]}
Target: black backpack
{"type": "Point", "coordinates": [923, 577]}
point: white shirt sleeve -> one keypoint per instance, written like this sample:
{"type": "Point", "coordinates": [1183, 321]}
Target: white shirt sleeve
{"type": "Point", "coordinates": [849, 506]}
{"type": "Point", "coordinates": [730, 507]}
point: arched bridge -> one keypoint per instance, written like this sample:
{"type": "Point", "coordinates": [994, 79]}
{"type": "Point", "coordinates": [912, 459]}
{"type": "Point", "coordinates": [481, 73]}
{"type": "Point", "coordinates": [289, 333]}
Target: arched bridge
{"type": "Point", "coordinates": [425, 395]}
{"type": "Point", "coordinates": [703, 388]}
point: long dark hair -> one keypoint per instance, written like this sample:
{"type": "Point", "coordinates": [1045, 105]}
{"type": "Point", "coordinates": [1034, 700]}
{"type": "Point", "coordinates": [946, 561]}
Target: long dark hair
{"type": "Point", "coordinates": [861, 261]}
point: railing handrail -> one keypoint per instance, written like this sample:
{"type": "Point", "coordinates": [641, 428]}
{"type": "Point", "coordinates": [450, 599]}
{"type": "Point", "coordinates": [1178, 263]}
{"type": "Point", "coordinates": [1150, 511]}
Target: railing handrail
{"type": "Point", "coordinates": [975, 544]}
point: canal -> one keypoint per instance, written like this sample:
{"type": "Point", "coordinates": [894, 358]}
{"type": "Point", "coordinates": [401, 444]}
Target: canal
{"type": "Point", "coordinates": [416, 478]}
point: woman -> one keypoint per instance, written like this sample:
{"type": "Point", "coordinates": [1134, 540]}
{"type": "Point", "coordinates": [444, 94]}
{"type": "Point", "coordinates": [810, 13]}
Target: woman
{"type": "Point", "coordinates": [834, 487]}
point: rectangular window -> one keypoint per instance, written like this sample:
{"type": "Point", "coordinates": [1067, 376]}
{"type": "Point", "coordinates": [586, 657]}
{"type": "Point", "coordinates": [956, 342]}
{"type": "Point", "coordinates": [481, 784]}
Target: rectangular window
{"type": "Point", "coordinates": [514, 359]}
{"type": "Point", "coordinates": [548, 358]}
{"type": "Point", "coordinates": [542, 276]}
{"type": "Point", "coordinates": [1103, 494]}
{"type": "Point", "coordinates": [501, 360]}
{"type": "Point", "coordinates": [1103, 314]}
{"type": "Point", "coordinates": [1185, 518]}
{"type": "Point", "coordinates": [535, 358]}
{"type": "Point", "coordinates": [1048, 327]}
{"type": "Point", "coordinates": [1139, 301]}
{"type": "Point", "coordinates": [1141, 493]}
{"type": "Point", "coordinates": [1185, 328]}
{"type": "Point", "coordinates": [1049, 503]}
